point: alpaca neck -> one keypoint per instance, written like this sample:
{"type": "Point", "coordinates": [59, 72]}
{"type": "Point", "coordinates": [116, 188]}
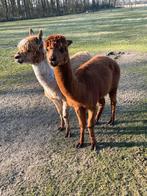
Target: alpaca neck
{"type": "Point", "coordinates": [67, 82]}
{"type": "Point", "coordinates": [45, 76]}
{"type": "Point", "coordinates": [43, 71]}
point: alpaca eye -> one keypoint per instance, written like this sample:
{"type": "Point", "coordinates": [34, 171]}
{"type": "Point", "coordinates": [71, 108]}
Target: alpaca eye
{"type": "Point", "coordinates": [62, 50]}
{"type": "Point", "coordinates": [38, 41]}
{"type": "Point", "coordinates": [46, 49]}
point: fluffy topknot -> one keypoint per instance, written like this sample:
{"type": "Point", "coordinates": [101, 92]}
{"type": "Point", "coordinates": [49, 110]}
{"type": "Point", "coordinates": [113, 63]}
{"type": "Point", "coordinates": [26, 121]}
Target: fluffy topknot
{"type": "Point", "coordinates": [56, 41]}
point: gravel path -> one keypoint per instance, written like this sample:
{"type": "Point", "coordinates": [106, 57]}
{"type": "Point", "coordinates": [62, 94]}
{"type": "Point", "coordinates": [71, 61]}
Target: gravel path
{"type": "Point", "coordinates": [28, 123]}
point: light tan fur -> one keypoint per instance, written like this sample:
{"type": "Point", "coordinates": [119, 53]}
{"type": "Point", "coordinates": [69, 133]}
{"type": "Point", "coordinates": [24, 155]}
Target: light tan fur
{"type": "Point", "coordinates": [31, 50]}
{"type": "Point", "coordinates": [83, 90]}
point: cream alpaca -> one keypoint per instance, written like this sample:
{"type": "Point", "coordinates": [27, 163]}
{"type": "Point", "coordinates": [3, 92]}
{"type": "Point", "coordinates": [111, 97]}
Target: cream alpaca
{"type": "Point", "coordinates": [31, 50]}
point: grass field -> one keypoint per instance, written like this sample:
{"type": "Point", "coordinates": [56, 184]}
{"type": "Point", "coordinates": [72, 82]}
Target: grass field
{"type": "Point", "coordinates": [120, 29]}
{"type": "Point", "coordinates": [34, 159]}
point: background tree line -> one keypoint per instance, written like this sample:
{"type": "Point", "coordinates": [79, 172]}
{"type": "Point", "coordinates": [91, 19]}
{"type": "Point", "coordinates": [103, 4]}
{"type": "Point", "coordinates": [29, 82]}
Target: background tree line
{"type": "Point", "coordinates": [25, 9]}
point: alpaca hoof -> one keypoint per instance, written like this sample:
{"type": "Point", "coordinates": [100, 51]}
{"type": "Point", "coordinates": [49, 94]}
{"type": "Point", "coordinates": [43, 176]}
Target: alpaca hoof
{"type": "Point", "coordinates": [110, 123]}
{"type": "Point", "coordinates": [97, 123]}
{"type": "Point", "coordinates": [93, 147]}
{"type": "Point", "coordinates": [79, 145]}
{"type": "Point", "coordinates": [68, 135]}
{"type": "Point", "coordinates": [61, 128]}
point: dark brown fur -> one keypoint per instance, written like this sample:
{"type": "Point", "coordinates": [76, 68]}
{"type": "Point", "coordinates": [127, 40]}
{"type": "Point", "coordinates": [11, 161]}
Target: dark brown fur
{"type": "Point", "coordinates": [92, 81]}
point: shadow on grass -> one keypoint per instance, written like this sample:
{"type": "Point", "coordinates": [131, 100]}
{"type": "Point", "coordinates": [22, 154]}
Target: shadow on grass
{"type": "Point", "coordinates": [101, 145]}
{"type": "Point", "coordinates": [21, 91]}
{"type": "Point", "coordinates": [130, 121]}
{"type": "Point", "coordinates": [14, 84]}
{"type": "Point", "coordinates": [135, 130]}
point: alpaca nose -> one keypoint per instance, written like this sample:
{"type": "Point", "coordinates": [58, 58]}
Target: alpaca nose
{"type": "Point", "coordinates": [53, 58]}
{"type": "Point", "coordinates": [17, 56]}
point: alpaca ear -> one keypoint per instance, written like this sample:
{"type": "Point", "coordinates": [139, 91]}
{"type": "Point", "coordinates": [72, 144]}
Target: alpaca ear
{"type": "Point", "coordinates": [69, 42]}
{"type": "Point", "coordinates": [31, 32]}
{"type": "Point", "coordinates": [40, 34]}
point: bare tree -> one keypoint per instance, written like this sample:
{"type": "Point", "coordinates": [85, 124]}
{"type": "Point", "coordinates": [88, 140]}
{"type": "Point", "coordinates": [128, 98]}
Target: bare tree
{"type": "Point", "coordinates": [4, 3]}
{"type": "Point", "coordinates": [12, 9]}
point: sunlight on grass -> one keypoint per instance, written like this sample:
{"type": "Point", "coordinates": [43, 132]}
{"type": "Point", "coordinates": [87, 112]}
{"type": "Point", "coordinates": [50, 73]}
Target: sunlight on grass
{"type": "Point", "coordinates": [123, 26]}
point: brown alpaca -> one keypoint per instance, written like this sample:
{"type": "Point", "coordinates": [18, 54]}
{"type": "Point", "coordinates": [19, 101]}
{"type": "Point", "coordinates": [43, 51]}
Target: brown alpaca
{"type": "Point", "coordinates": [87, 87]}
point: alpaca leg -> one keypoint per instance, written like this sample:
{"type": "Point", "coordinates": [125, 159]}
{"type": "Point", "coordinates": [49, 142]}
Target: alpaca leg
{"type": "Point", "coordinates": [66, 118]}
{"type": "Point", "coordinates": [112, 96]}
{"type": "Point", "coordinates": [59, 107]}
{"type": "Point", "coordinates": [81, 114]}
{"type": "Point", "coordinates": [100, 109]}
{"type": "Point", "coordinates": [91, 122]}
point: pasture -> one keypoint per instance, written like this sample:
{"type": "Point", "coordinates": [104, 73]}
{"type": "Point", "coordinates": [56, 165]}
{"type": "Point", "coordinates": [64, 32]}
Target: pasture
{"type": "Point", "coordinates": [35, 159]}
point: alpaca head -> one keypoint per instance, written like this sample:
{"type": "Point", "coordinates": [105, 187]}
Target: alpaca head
{"type": "Point", "coordinates": [57, 50]}
{"type": "Point", "coordinates": [31, 49]}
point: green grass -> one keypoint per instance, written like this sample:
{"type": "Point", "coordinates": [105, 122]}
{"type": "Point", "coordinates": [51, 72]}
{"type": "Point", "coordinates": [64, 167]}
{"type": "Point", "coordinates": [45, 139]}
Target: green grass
{"type": "Point", "coordinates": [119, 167]}
{"type": "Point", "coordinates": [120, 29]}
{"type": "Point", "coordinates": [123, 29]}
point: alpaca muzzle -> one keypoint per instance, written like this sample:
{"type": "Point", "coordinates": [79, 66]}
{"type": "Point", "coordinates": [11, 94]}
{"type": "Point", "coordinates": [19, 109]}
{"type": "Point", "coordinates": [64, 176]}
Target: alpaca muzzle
{"type": "Point", "coordinates": [18, 58]}
{"type": "Point", "coordinates": [53, 61]}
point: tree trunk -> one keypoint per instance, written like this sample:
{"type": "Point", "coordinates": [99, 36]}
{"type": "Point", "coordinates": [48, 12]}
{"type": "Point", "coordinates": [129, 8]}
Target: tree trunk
{"type": "Point", "coordinates": [19, 8]}
{"type": "Point", "coordinates": [27, 10]}
{"type": "Point", "coordinates": [6, 10]}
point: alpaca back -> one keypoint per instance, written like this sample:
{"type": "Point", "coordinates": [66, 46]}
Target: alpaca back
{"type": "Point", "coordinates": [100, 75]}
{"type": "Point", "coordinates": [79, 58]}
